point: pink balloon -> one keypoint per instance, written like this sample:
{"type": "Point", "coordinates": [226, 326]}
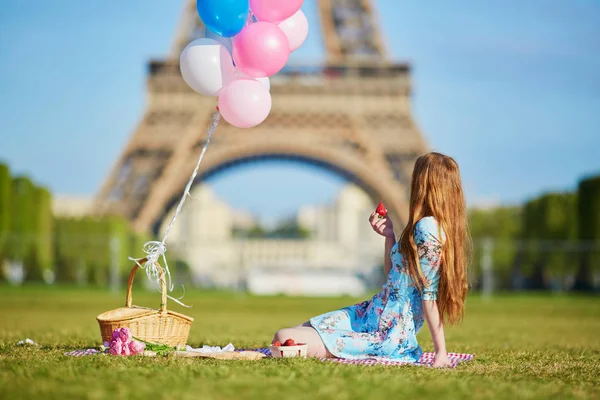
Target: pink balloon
{"type": "Point", "coordinates": [296, 29]}
{"type": "Point", "coordinates": [274, 10]}
{"type": "Point", "coordinates": [245, 103]}
{"type": "Point", "coordinates": [261, 49]}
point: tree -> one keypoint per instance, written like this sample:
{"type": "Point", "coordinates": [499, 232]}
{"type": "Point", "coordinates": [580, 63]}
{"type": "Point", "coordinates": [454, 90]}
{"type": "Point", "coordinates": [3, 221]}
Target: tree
{"type": "Point", "coordinates": [548, 219]}
{"type": "Point", "coordinates": [104, 237]}
{"type": "Point", "coordinates": [22, 223]}
{"type": "Point", "coordinates": [588, 216]}
{"type": "Point", "coordinates": [94, 260]}
{"type": "Point", "coordinates": [256, 232]}
{"type": "Point", "coordinates": [65, 250]}
{"type": "Point", "coordinates": [289, 229]}
{"type": "Point", "coordinates": [40, 253]}
{"type": "Point", "coordinates": [137, 244]}
{"type": "Point", "coordinates": [87, 248]}
{"type": "Point", "coordinates": [503, 226]}
{"type": "Point", "coordinates": [5, 211]}
{"type": "Point", "coordinates": [560, 225]}
{"type": "Point", "coordinates": [119, 235]}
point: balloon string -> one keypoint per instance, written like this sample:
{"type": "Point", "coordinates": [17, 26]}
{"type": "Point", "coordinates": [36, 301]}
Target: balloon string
{"type": "Point", "coordinates": [156, 250]}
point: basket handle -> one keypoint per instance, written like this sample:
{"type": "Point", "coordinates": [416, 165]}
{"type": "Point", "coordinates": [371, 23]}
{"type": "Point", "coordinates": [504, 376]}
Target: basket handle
{"type": "Point", "coordinates": [163, 286]}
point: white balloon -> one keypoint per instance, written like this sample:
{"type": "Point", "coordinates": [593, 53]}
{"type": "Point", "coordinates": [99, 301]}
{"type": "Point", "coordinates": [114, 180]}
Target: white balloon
{"type": "Point", "coordinates": [206, 66]}
{"type": "Point", "coordinates": [296, 29]}
{"type": "Point", "coordinates": [265, 81]}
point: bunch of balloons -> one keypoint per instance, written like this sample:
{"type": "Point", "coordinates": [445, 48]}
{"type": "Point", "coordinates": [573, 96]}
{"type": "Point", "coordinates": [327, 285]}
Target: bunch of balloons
{"type": "Point", "coordinates": [246, 42]}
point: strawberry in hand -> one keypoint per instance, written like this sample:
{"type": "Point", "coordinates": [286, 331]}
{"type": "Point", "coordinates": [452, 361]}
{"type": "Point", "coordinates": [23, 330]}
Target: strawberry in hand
{"type": "Point", "coordinates": [381, 211]}
{"type": "Point", "coordinates": [381, 222]}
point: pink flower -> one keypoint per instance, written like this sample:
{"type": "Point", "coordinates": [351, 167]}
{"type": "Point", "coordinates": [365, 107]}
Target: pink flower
{"type": "Point", "coordinates": [136, 347]}
{"type": "Point", "coordinates": [116, 346]}
{"type": "Point", "coordinates": [125, 335]}
{"type": "Point", "coordinates": [125, 350]}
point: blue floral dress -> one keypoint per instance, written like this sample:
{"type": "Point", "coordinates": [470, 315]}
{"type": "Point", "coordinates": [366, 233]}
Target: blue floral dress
{"type": "Point", "coordinates": [386, 326]}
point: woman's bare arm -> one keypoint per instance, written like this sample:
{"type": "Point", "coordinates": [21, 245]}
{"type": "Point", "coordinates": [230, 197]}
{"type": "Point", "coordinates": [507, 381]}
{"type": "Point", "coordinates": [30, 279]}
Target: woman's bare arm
{"type": "Point", "coordinates": [390, 241]}
{"type": "Point", "coordinates": [385, 228]}
{"type": "Point", "coordinates": [436, 328]}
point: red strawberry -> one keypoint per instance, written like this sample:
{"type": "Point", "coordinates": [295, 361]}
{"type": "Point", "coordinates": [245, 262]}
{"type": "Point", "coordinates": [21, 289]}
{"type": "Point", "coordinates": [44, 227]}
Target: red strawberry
{"type": "Point", "coordinates": [277, 343]}
{"type": "Point", "coordinates": [289, 342]}
{"type": "Point", "coordinates": [381, 210]}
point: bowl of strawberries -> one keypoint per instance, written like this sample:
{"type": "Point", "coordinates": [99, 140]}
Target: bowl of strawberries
{"type": "Point", "coordinates": [289, 348]}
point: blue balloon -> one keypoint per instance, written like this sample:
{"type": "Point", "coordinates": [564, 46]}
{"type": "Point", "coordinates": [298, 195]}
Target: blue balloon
{"type": "Point", "coordinates": [226, 18]}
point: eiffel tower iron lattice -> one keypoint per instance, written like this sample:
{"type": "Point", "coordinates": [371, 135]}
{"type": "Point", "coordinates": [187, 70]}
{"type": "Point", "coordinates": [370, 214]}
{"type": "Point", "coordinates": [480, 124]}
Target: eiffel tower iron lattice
{"type": "Point", "coordinates": [351, 115]}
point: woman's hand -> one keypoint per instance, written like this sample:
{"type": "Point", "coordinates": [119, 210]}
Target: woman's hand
{"type": "Point", "coordinates": [441, 360]}
{"type": "Point", "coordinates": [382, 226]}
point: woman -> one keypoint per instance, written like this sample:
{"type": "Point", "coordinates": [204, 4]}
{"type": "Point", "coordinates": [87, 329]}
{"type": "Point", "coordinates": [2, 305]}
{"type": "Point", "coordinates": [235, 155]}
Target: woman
{"type": "Point", "coordinates": [426, 278]}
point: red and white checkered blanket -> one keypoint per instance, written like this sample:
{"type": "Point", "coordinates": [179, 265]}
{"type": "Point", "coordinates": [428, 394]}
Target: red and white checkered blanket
{"type": "Point", "coordinates": [81, 353]}
{"type": "Point", "coordinates": [425, 361]}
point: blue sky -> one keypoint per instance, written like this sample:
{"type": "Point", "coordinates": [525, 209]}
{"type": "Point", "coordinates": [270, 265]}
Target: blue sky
{"type": "Point", "coordinates": [510, 88]}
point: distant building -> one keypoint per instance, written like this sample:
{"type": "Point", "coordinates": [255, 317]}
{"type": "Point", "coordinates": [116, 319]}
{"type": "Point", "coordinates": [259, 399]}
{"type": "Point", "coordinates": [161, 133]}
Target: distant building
{"type": "Point", "coordinates": [71, 206]}
{"type": "Point", "coordinates": [204, 219]}
{"type": "Point", "coordinates": [345, 221]}
{"type": "Point", "coordinates": [342, 249]}
{"type": "Point", "coordinates": [243, 220]}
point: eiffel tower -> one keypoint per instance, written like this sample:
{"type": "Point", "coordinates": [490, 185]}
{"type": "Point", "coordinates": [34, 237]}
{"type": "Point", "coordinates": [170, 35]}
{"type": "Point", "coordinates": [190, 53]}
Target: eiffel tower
{"type": "Point", "coordinates": [351, 115]}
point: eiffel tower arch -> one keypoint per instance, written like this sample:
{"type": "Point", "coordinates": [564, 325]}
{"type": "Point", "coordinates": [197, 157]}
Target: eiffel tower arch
{"type": "Point", "coordinates": [351, 115]}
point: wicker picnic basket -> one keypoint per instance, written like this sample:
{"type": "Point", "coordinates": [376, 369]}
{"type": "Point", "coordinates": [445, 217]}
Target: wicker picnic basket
{"type": "Point", "coordinates": [153, 326]}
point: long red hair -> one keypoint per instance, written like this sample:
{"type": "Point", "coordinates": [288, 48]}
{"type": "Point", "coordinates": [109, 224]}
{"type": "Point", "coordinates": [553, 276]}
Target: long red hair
{"type": "Point", "coordinates": [436, 191]}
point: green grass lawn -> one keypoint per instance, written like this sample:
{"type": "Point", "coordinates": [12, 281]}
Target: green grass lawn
{"type": "Point", "coordinates": [527, 346]}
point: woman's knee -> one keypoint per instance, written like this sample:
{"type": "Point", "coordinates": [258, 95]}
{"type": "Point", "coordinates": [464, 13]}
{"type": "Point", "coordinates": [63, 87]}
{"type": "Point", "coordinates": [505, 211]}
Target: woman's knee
{"type": "Point", "coordinates": [283, 334]}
